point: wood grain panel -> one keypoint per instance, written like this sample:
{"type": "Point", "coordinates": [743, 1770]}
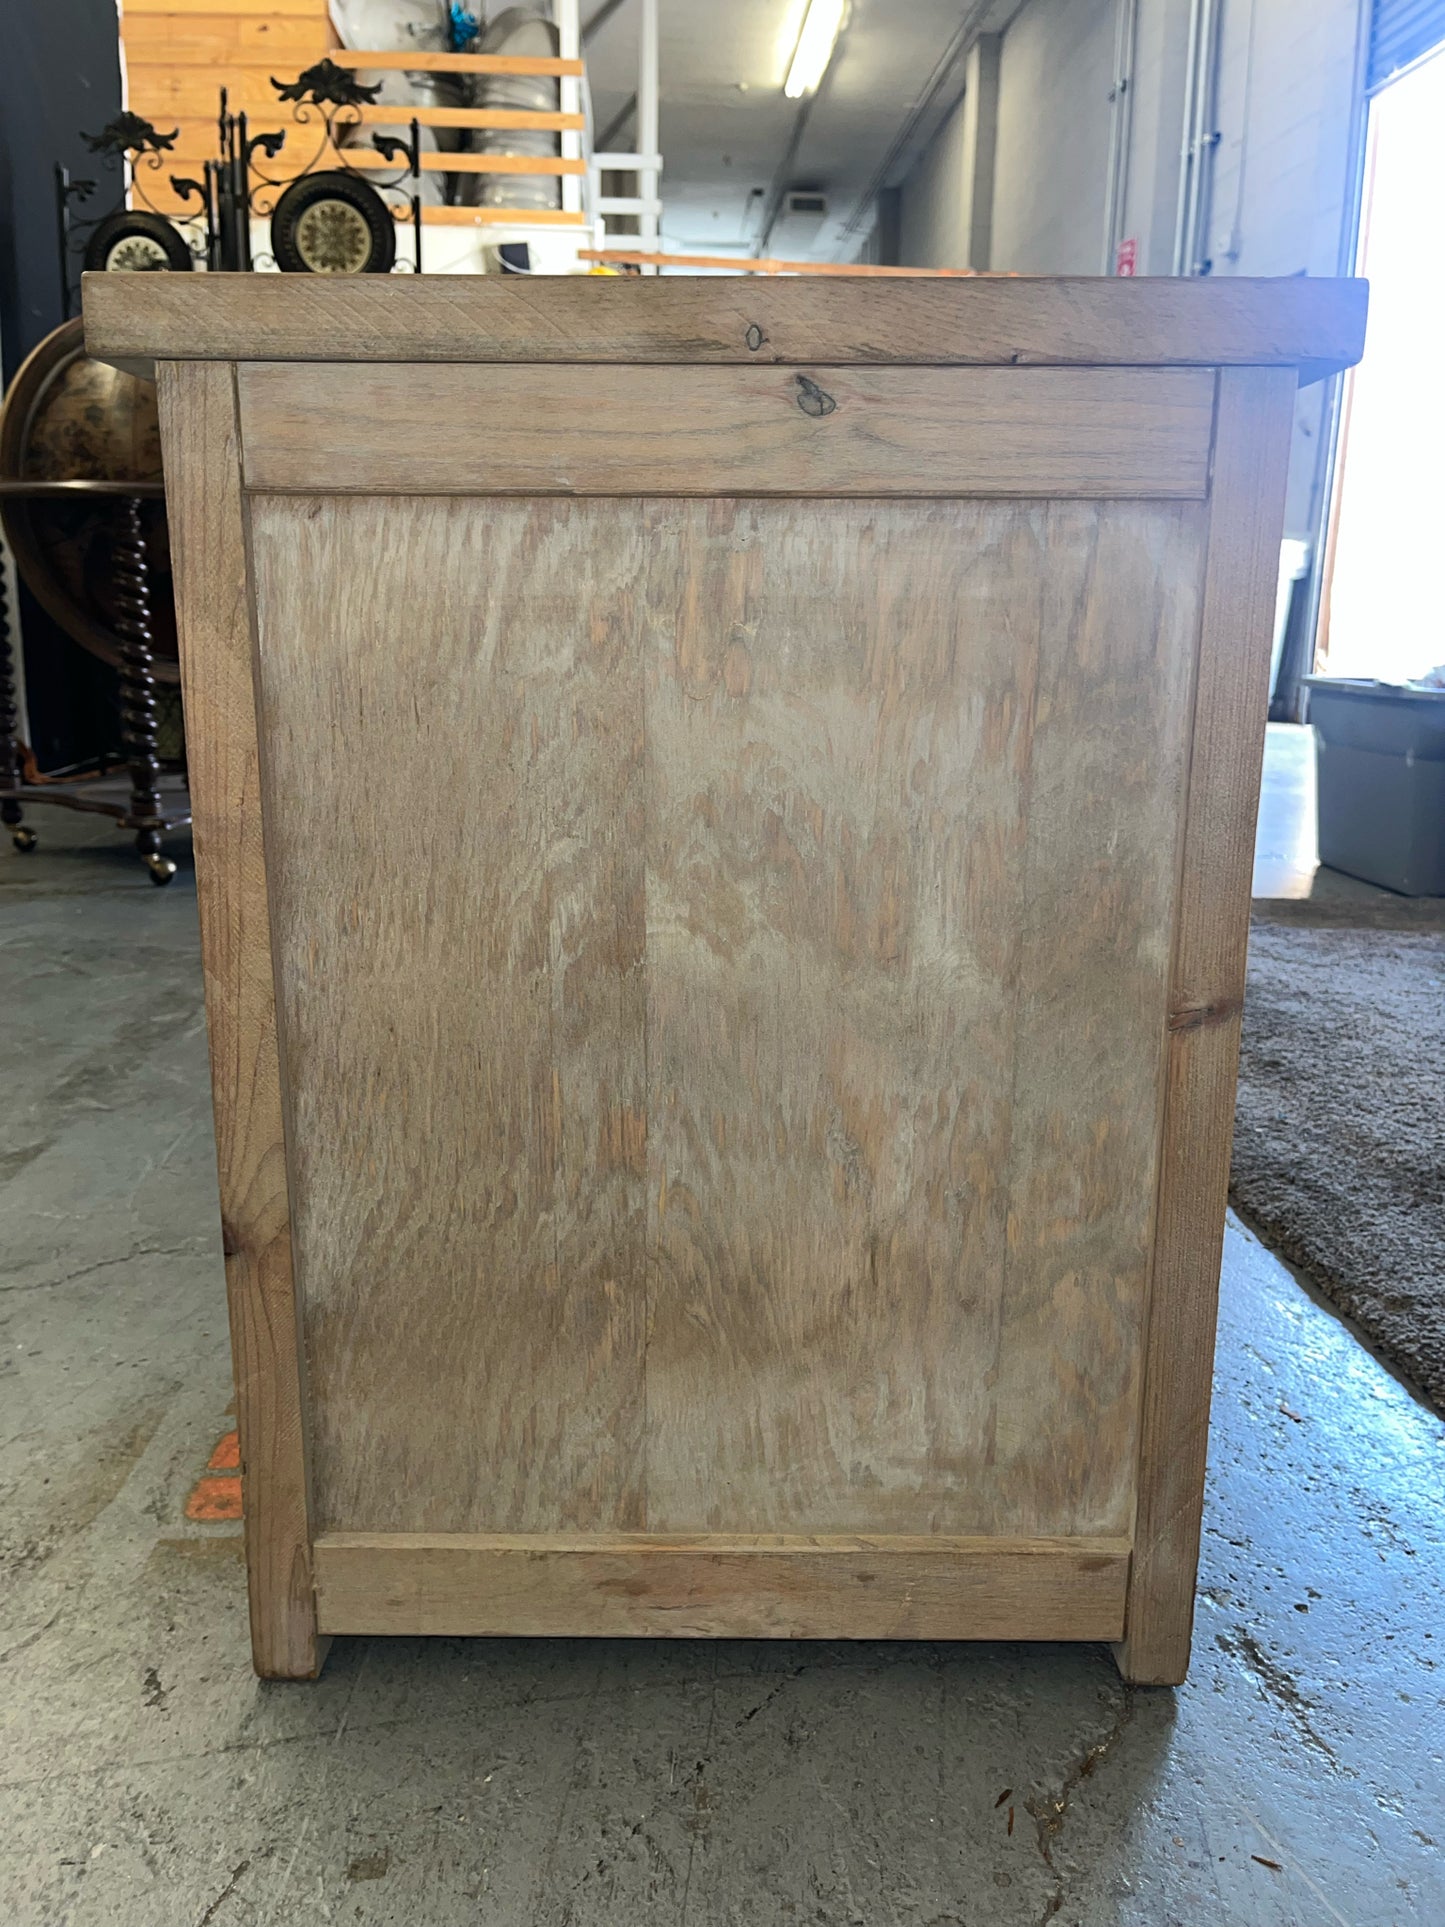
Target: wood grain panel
{"type": "Point", "coordinates": [1206, 1003]}
{"type": "Point", "coordinates": [198, 421]}
{"type": "Point", "coordinates": [723, 1588]}
{"type": "Point", "coordinates": [727, 431]}
{"type": "Point", "coordinates": [205, 40]}
{"type": "Point", "coordinates": [460, 962]}
{"type": "Point", "coordinates": [165, 94]}
{"type": "Point", "coordinates": [1121, 596]}
{"type": "Point", "coordinates": [913, 777]}
{"type": "Point", "coordinates": [1100, 321]}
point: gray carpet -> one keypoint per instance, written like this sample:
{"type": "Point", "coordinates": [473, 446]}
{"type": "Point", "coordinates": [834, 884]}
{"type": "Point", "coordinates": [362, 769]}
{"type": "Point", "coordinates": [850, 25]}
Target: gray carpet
{"type": "Point", "coordinates": [1339, 1138]}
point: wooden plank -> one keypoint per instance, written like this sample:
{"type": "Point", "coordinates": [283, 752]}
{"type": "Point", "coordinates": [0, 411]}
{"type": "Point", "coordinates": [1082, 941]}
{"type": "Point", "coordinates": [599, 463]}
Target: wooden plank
{"type": "Point", "coordinates": [1207, 995]}
{"type": "Point", "coordinates": [1192, 321]}
{"type": "Point", "coordinates": [290, 9]}
{"type": "Point", "coordinates": [503, 217]}
{"type": "Point", "coordinates": [196, 136]}
{"type": "Point", "coordinates": [166, 94]}
{"type": "Point", "coordinates": [767, 264]}
{"type": "Point", "coordinates": [908, 867]}
{"type": "Point", "coordinates": [440, 163]}
{"type": "Point", "coordinates": [413, 61]}
{"type": "Point", "coordinates": [190, 40]}
{"type": "Point", "coordinates": [728, 431]}
{"type": "Point", "coordinates": [721, 1587]}
{"type": "Point", "coordinates": [196, 133]}
{"type": "Point", "coordinates": [461, 975]}
{"type": "Point", "coordinates": [198, 418]}
{"type": "Point", "coordinates": [517, 119]}
{"type": "Point", "coordinates": [288, 165]}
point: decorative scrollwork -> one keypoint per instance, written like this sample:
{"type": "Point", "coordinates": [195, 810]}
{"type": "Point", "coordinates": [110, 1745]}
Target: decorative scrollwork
{"type": "Point", "coordinates": [326, 82]}
{"type": "Point", "coordinates": [129, 134]}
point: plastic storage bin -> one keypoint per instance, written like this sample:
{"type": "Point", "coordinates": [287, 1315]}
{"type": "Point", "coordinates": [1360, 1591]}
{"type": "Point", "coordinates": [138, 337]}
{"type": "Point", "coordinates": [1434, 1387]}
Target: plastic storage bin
{"type": "Point", "coordinates": [1381, 759]}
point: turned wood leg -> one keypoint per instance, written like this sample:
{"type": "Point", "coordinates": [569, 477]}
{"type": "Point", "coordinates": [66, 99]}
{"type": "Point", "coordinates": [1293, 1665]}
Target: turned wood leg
{"type": "Point", "coordinates": [11, 813]}
{"type": "Point", "coordinates": [138, 689]}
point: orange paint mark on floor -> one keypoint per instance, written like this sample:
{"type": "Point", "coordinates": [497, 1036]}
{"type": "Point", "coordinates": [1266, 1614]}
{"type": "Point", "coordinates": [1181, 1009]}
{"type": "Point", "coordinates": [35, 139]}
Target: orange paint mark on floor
{"type": "Point", "coordinates": [217, 1493]}
{"type": "Point", "coordinates": [215, 1497]}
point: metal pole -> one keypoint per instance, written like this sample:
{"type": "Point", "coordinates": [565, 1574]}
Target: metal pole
{"type": "Point", "coordinates": [243, 195]}
{"type": "Point", "coordinates": [569, 99]}
{"type": "Point", "coordinates": [415, 158]}
{"type": "Point", "coordinates": [62, 234]}
{"type": "Point", "coordinates": [1120, 124]}
{"type": "Point", "coordinates": [1206, 138]}
{"type": "Point", "coordinates": [1326, 478]}
{"type": "Point", "coordinates": [647, 129]}
{"type": "Point", "coordinates": [1186, 143]}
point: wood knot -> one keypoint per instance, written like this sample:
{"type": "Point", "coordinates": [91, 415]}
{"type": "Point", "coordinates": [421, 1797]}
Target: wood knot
{"type": "Point", "coordinates": [754, 336]}
{"type": "Point", "coordinates": [1205, 1015]}
{"type": "Point", "coordinates": [812, 399]}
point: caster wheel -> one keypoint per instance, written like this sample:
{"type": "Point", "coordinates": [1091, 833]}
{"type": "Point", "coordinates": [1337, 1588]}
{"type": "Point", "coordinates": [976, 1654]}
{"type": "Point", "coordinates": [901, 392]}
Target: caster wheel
{"type": "Point", "coordinates": [24, 840]}
{"type": "Point", "coordinates": [161, 868]}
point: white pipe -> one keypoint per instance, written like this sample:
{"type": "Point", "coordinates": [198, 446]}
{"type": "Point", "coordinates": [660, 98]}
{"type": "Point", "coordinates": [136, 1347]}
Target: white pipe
{"type": "Point", "coordinates": [1120, 124]}
{"type": "Point", "coordinates": [1191, 194]}
{"type": "Point", "coordinates": [647, 129]}
{"type": "Point", "coordinates": [569, 97]}
{"type": "Point", "coordinates": [1186, 141]}
{"type": "Point", "coordinates": [1206, 139]}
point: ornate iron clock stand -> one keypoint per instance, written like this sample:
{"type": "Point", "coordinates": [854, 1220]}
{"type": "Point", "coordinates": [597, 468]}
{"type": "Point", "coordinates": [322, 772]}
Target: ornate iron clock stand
{"type": "Point", "coordinates": [134, 152]}
{"type": "Point", "coordinates": [328, 100]}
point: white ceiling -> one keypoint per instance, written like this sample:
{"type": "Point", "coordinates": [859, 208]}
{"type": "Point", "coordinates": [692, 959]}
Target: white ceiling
{"type": "Point", "coordinates": [727, 128]}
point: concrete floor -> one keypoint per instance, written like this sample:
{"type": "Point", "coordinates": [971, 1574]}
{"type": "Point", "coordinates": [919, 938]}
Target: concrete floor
{"type": "Point", "coordinates": [1286, 850]}
{"type": "Point", "coordinates": [147, 1780]}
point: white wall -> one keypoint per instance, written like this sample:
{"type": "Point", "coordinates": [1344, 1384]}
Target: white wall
{"type": "Point", "coordinates": [1055, 72]}
{"type": "Point", "coordinates": [932, 218]}
{"type": "Point", "coordinates": [1281, 173]}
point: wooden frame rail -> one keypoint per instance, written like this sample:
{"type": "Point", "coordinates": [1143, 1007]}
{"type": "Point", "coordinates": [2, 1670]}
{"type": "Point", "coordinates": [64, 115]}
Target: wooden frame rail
{"type": "Point", "coordinates": [646, 1585]}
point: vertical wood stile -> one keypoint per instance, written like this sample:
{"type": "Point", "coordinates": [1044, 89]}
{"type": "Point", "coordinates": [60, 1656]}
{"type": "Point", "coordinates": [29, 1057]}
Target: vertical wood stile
{"type": "Point", "coordinates": [1251, 453]}
{"type": "Point", "coordinates": [203, 473]}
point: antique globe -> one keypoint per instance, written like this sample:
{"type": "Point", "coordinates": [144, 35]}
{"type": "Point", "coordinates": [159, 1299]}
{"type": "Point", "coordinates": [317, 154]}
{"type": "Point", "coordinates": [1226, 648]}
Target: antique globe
{"type": "Point", "coordinates": [68, 418]}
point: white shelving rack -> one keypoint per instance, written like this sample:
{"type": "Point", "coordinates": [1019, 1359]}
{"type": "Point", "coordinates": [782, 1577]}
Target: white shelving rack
{"type": "Point", "coordinates": [581, 220]}
{"type": "Point", "coordinates": [646, 162]}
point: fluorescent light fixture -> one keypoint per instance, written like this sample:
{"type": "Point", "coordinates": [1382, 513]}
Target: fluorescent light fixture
{"type": "Point", "coordinates": [821, 26]}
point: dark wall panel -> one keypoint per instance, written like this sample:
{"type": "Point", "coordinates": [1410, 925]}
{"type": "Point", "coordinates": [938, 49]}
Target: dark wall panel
{"type": "Point", "coordinates": [59, 74]}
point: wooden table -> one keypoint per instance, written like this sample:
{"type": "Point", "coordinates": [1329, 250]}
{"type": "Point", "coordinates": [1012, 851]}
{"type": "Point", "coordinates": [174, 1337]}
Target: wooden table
{"type": "Point", "coordinates": [729, 1137]}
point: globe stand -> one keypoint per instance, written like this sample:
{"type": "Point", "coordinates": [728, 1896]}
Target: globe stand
{"type": "Point", "coordinates": [146, 807]}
